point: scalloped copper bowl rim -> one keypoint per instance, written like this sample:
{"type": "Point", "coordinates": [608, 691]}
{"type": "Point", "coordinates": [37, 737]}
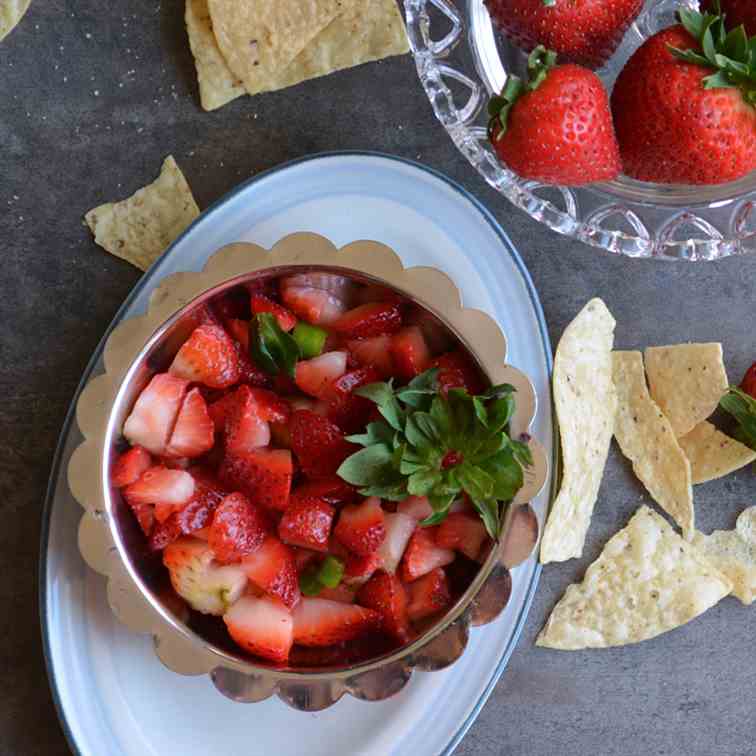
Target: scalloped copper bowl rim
{"type": "Point", "coordinates": [178, 647]}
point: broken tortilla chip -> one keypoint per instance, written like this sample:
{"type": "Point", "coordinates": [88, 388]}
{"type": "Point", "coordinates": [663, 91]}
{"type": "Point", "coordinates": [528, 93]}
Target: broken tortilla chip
{"type": "Point", "coordinates": [139, 229]}
{"type": "Point", "coordinates": [260, 38]}
{"type": "Point", "coordinates": [585, 402]}
{"type": "Point", "coordinates": [217, 85]}
{"type": "Point", "coordinates": [733, 552]}
{"type": "Point", "coordinates": [645, 436]}
{"type": "Point", "coordinates": [11, 12]}
{"type": "Point", "coordinates": [712, 454]}
{"type": "Point", "coordinates": [646, 581]}
{"type": "Point", "coordinates": [686, 381]}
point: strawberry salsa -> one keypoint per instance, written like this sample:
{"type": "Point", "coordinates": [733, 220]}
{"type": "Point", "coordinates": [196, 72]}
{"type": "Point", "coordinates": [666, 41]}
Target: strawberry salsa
{"type": "Point", "coordinates": [322, 467]}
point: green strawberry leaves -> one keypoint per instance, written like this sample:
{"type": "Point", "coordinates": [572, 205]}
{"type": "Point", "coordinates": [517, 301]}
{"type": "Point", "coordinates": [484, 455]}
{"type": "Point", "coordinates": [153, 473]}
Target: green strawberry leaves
{"type": "Point", "coordinates": [274, 350]}
{"type": "Point", "coordinates": [442, 447]}
{"type": "Point", "coordinates": [742, 407]}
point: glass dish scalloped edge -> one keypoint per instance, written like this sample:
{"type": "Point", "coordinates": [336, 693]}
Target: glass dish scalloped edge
{"type": "Point", "coordinates": [624, 217]}
{"type": "Point", "coordinates": [106, 399]}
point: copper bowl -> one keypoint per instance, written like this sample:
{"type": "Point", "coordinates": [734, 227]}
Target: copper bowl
{"type": "Point", "coordinates": [112, 544]}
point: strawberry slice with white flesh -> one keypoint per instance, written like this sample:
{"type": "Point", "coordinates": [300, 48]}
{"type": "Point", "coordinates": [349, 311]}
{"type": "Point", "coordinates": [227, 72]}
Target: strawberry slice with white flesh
{"type": "Point", "coordinates": [374, 352]}
{"type": "Point", "coordinates": [399, 529]}
{"type": "Point", "coordinates": [462, 532]}
{"type": "Point", "coordinates": [361, 526]}
{"type": "Point", "coordinates": [158, 484]}
{"type": "Point", "coordinates": [428, 595]}
{"type": "Point", "coordinates": [205, 585]}
{"type": "Point", "coordinates": [318, 298]}
{"type": "Point", "coordinates": [273, 568]}
{"type": "Point", "coordinates": [320, 622]}
{"type": "Point", "coordinates": [315, 376]}
{"type": "Point", "coordinates": [262, 627]}
{"type": "Point", "coordinates": [129, 466]}
{"type": "Point", "coordinates": [423, 555]}
{"type": "Point", "coordinates": [246, 427]}
{"type": "Point", "coordinates": [209, 357]}
{"type": "Point", "coordinates": [416, 507]}
{"type": "Point", "coordinates": [151, 421]}
{"type": "Point", "coordinates": [193, 435]}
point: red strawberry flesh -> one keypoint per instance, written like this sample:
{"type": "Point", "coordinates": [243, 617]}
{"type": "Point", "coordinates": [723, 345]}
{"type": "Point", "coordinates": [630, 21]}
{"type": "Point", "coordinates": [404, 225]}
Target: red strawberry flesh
{"type": "Point", "coordinates": [273, 569]}
{"type": "Point", "coordinates": [307, 523]}
{"type": "Point", "coordinates": [319, 622]}
{"type": "Point", "coordinates": [237, 529]}
{"type": "Point", "coordinates": [208, 356]}
{"type": "Point", "coordinates": [361, 527]}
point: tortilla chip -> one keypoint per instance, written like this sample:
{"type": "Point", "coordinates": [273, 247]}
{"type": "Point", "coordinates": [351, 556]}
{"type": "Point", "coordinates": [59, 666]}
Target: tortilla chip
{"type": "Point", "coordinates": [260, 38]}
{"type": "Point", "coordinates": [139, 229]}
{"type": "Point", "coordinates": [11, 12]}
{"type": "Point", "coordinates": [217, 85]}
{"type": "Point", "coordinates": [734, 553]}
{"type": "Point", "coordinates": [686, 381]}
{"type": "Point", "coordinates": [712, 454]}
{"type": "Point", "coordinates": [585, 402]}
{"type": "Point", "coordinates": [647, 581]}
{"type": "Point", "coordinates": [646, 438]}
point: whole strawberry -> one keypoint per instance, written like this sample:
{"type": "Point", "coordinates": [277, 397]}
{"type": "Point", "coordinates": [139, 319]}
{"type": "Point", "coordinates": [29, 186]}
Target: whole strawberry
{"type": "Point", "coordinates": [737, 12]}
{"type": "Point", "coordinates": [579, 31]}
{"type": "Point", "coordinates": [556, 129]}
{"type": "Point", "coordinates": [684, 105]}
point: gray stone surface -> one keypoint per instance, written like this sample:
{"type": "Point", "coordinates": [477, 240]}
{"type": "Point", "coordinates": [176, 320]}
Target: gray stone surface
{"type": "Point", "coordinates": [92, 96]}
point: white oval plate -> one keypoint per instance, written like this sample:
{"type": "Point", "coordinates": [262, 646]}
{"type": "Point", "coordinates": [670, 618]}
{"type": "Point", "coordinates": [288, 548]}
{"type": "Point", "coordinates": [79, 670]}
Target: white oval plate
{"type": "Point", "coordinates": [113, 695]}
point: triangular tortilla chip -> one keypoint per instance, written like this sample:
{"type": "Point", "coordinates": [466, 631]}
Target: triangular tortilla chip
{"type": "Point", "coordinates": [646, 438]}
{"type": "Point", "coordinates": [686, 381]}
{"type": "Point", "coordinates": [11, 12]}
{"type": "Point", "coordinates": [712, 454]}
{"type": "Point", "coordinates": [140, 228]}
{"type": "Point", "coordinates": [647, 581]}
{"type": "Point", "coordinates": [260, 38]}
{"type": "Point", "coordinates": [734, 553]}
{"type": "Point", "coordinates": [585, 402]}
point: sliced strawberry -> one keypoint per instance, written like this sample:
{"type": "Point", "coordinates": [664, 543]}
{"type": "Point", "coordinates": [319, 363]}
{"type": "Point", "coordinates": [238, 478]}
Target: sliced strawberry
{"type": "Point", "coordinates": [318, 298]}
{"type": "Point", "coordinates": [416, 507]}
{"type": "Point", "coordinates": [457, 370]}
{"type": "Point", "coordinates": [159, 484]}
{"type": "Point", "coordinates": [262, 627]}
{"type": "Point", "coordinates": [129, 466]}
{"type": "Point", "coordinates": [249, 372]}
{"type": "Point", "coordinates": [333, 490]}
{"type": "Point", "coordinates": [307, 523]}
{"type": "Point", "coordinates": [437, 336]}
{"type": "Point", "coordinates": [273, 569]}
{"type": "Point", "coordinates": [145, 515]}
{"type": "Point", "coordinates": [220, 410]}
{"type": "Point", "coordinates": [423, 555]}
{"type": "Point", "coordinates": [358, 569]}
{"type": "Point", "coordinates": [196, 577]}
{"type": "Point", "coordinates": [462, 532]}
{"type": "Point", "coordinates": [386, 594]}
{"type": "Point", "coordinates": [428, 595]}
{"type": "Point", "coordinates": [349, 411]}
{"type": "Point", "coordinates": [238, 330]}
{"type": "Point", "coordinates": [410, 352]}
{"type": "Point", "coordinates": [316, 376]}
{"type": "Point", "coordinates": [372, 319]}
{"type": "Point", "coordinates": [151, 421]}
{"type": "Point", "coordinates": [273, 408]}
{"type": "Point", "coordinates": [246, 430]}
{"type": "Point", "coordinates": [375, 353]}
{"type": "Point", "coordinates": [342, 593]}
{"type": "Point", "coordinates": [286, 319]}
{"type": "Point", "coordinates": [263, 475]}
{"type": "Point", "coordinates": [399, 530]}
{"type": "Point", "coordinates": [319, 622]}
{"type": "Point", "coordinates": [193, 433]}
{"type": "Point", "coordinates": [318, 443]}
{"type": "Point", "coordinates": [361, 526]}
{"type": "Point", "coordinates": [209, 357]}
{"type": "Point", "coordinates": [237, 529]}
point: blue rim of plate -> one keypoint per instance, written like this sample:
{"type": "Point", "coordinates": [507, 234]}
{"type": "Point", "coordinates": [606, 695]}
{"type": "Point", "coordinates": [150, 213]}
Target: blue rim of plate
{"type": "Point", "coordinates": [146, 278]}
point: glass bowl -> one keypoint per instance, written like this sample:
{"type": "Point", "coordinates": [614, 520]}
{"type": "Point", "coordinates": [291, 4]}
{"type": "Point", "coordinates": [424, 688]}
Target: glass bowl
{"type": "Point", "coordinates": [462, 60]}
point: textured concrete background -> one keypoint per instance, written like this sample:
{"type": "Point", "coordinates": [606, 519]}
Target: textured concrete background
{"type": "Point", "coordinates": [92, 97]}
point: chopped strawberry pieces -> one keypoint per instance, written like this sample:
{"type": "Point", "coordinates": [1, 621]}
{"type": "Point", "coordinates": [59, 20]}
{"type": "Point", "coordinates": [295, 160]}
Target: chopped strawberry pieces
{"type": "Point", "coordinates": [318, 298]}
{"type": "Point", "coordinates": [416, 507]}
{"type": "Point", "coordinates": [239, 332]}
{"type": "Point", "coordinates": [208, 356]}
{"type": "Point", "coordinates": [319, 622]}
{"type": "Point", "coordinates": [307, 523]}
{"type": "Point", "coordinates": [220, 410]}
{"type": "Point", "coordinates": [457, 370]}
{"type": "Point", "coordinates": [375, 353]}
{"type": "Point", "coordinates": [159, 484]}
{"type": "Point", "coordinates": [246, 429]}
{"type": "Point", "coordinates": [318, 443]}
{"type": "Point", "coordinates": [286, 319]}
{"type": "Point", "coordinates": [272, 568]}
{"type": "Point", "coordinates": [462, 532]}
{"type": "Point", "coordinates": [428, 595]}
{"type": "Point", "coordinates": [232, 304]}
{"type": "Point", "coordinates": [372, 319]}
{"type": "Point", "coordinates": [333, 490]}
{"type": "Point", "coordinates": [262, 627]}
{"type": "Point", "coordinates": [316, 376]}
{"type": "Point", "coordinates": [145, 515]}
{"type": "Point", "coordinates": [410, 352]}
{"type": "Point", "coordinates": [423, 555]}
{"type": "Point", "coordinates": [361, 526]}
{"type": "Point", "coordinates": [386, 594]}
{"type": "Point", "coordinates": [249, 372]}
{"type": "Point", "coordinates": [237, 529]}
{"type": "Point", "coordinates": [151, 422]}
{"type": "Point", "coordinates": [129, 466]}
{"type": "Point", "coordinates": [264, 475]}
{"type": "Point", "coordinates": [399, 530]}
{"type": "Point", "coordinates": [193, 433]}
{"type": "Point", "coordinates": [359, 568]}
{"type": "Point", "coordinates": [349, 411]}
